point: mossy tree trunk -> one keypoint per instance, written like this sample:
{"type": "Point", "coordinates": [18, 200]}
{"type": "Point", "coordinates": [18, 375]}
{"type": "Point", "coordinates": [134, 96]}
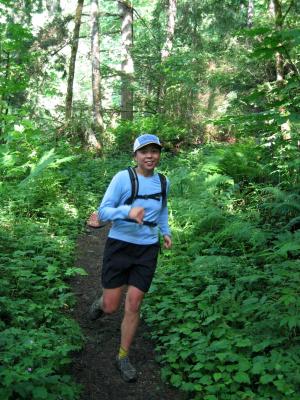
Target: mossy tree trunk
{"type": "Point", "coordinates": [96, 75]}
{"type": "Point", "coordinates": [167, 48]}
{"type": "Point", "coordinates": [74, 48]}
{"type": "Point", "coordinates": [276, 12]}
{"type": "Point", "coordinates": [127, 66]}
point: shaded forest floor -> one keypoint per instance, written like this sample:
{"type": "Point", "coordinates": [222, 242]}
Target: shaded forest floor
{"type": "Point", "coordinates": [94, 367]}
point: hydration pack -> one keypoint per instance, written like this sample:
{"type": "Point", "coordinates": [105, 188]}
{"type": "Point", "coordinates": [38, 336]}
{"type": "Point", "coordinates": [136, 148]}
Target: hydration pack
{"type": "Point", "coordinates": [155, 196]}
{"type": "Point", "coordinates": [135, 189]}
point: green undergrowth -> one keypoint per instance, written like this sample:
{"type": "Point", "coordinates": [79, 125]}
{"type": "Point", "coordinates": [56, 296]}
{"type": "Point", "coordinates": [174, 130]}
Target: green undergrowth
{"type": "Point", "coordinates": [46, 196]}
{"type": "Point", "coordinates": [224, 305]}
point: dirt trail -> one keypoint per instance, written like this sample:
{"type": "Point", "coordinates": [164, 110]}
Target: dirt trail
{"type": "Point", "coordinates": [94, 367]}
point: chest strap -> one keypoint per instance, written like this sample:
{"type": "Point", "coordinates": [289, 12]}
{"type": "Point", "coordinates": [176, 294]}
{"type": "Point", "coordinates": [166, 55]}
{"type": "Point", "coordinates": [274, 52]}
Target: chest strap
{"type": "Point", "coordinates": [154, 196]}
{"type": "Point", "coordinates": [147, 223]}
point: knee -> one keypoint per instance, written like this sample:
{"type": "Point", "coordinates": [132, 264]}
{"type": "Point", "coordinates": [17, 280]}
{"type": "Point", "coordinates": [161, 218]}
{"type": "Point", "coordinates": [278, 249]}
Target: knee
{"type": "Point", "coordinates": [133, 305]}
{"type": "Point", "coordinates": [109, 307]}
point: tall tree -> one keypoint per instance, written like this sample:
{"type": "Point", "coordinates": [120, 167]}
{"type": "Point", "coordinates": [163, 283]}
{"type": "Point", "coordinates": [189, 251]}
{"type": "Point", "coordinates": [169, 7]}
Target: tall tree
{"type": "Point", "coordinates": [53, 7]}
{"type": "Point", "coordinates": [172, 9]}
{"type": "Point", "coordinates": [127, 66]}
{"type": "Point", "coordinates": [96, 76]}
{"type": "Point", "coordinates": [250, 13]}
{"type": "Point", "coordinates": [166, 49]}
{"type": "Point", "coordinates": [74, 48]}
{"type": "Point", "coordinates": [276, 12]}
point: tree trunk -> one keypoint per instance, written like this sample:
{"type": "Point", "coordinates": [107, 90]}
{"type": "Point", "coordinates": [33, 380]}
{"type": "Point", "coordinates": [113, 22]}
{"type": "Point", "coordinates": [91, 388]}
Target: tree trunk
{"type": "Point", "coordinates": [74, 49]}
{"type": "Point", "coordinates": [250, 13]}
{"type": "Point", "coordinates": [96, 77]}
{"type": "Point", "coordinates": [166, 51]}
{"type": "Point", "coordinates": [172, 9]}
{"type": "Point", "coordinates": [127, 67]}
{"type": "Point", "coordinates": [53, 7]}
{"type": "Point", "coordinates": [276, 13]}
{"type": "Point", "coordinates": [4, 103]}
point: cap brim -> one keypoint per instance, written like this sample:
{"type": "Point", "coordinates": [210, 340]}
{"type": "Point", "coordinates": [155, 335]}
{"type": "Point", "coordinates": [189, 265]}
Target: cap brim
{"type": "Point", "coordinates": [146, 144]}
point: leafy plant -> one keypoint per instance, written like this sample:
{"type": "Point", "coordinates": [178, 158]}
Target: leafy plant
{"type": "Point", "coordinates": [223, 307]}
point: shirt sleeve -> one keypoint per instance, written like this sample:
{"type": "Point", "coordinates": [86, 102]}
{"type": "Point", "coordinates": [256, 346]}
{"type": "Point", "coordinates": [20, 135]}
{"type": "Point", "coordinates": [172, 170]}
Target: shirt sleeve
{"type": "Point", "coordinates": [163, 219]}
{"type": "Point", "coordinates": [110, 208]}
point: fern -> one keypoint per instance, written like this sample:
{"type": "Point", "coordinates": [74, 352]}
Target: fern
{"type": "Point", "coordinates": [288, 206]}
{"type": "Point", "coordinates": [287, 244]}
{"type": "Point", "coordinates": [213, 221]}
{"type": "Point", "coordinates": [242, 232]}
{"type": "Point", "coordinates": [48, 159]}
{"type": "Point", "coordinates": [292, 224]}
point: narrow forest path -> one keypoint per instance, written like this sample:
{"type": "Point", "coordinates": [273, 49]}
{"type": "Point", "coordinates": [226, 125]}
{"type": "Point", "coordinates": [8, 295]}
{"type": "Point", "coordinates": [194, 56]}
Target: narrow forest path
{"type": "Point", "coordinates": [94, 367]}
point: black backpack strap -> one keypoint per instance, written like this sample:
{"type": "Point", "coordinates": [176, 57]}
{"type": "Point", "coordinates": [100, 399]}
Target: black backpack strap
{"type": "Point", "coordinates": [135, 188]}
{"type": "Point", "coordinates": [134, 185]}
{"type": "Point", "coordinates": [148, 223]}
{"type": "Point", "coordinates": [163, 183]}
{"type": "Point", "coordinates": [154, 196]}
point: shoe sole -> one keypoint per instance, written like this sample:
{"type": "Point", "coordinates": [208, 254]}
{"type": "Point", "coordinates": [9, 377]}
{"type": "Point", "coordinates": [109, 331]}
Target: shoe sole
{"type": "Point", "coordinates": [125, 379]}
{"type": "Point", "coordinates": [95, 313]}
{"type": "Point", "coordinates": [94, 318]}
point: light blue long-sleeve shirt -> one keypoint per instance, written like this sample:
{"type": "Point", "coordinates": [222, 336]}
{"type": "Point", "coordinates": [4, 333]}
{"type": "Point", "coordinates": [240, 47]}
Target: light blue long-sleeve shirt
{"type": "Point", "coordinates": [112, 208]}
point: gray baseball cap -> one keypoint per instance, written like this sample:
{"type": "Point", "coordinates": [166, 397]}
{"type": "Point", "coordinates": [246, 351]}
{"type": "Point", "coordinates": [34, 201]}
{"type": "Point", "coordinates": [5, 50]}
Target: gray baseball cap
{"type": "Point", "coordinates": [144, 140]}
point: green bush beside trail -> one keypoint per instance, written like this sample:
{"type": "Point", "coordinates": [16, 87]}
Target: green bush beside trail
{"type": "Point", "coordinates": [224, 305]}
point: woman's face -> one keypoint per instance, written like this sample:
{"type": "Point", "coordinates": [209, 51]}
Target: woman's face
{"type": "Point", "coordinates": [147, 158]}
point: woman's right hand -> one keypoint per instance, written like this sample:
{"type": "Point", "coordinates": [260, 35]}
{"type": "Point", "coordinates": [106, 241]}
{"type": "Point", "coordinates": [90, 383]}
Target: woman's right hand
{"type": "Point", "coordinates": [93, 220]}
{"type": "Point", "coordinates": [137, 213]}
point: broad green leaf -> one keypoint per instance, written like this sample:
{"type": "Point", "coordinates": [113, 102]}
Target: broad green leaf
{"type": "Point", "coordinates": [39, 392]}
{"type": "Point", "coordinates": [243, 343]}
{"type": "Point", "coordinates": [217, 376]}
{"type": "Point", "coordinates": [241, 377]}
{"type": "Point", "coordinates": [258, 367]}
{"type": "Point", "coordinates": [206, 380]}
{"type": "Point", "coordinates": [176, 380]}
{"type": "Point", "coordinates": [244, 364]}
{"type": "Point", "coordinates": [267, 378]}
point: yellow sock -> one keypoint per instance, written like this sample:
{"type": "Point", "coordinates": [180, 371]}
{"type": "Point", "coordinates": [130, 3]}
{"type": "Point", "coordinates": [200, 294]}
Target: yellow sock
{"type": "Point", "coordinates": [122, 353]}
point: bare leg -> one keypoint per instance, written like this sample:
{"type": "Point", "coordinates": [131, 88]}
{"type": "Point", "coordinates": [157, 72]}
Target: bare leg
{"type": "Point", "coordinates": [131, 318]}
{"type": "Point", "coordinates": [110, 299]}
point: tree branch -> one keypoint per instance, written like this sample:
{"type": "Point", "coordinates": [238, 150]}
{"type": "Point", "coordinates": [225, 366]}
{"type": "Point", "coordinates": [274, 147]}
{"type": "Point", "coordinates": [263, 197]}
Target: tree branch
{"type": "Point", "coordinates": [60, 48]}
{"type": "Point", "coordinates": [293, 65]}
{"type": "Point", "coordinates": [287, 11]}
{"type": "Point", "coordinates": [110, 15]}
{"type": "Point", "coordinates": [118, 110]}
{"type": "Point", "coordinates": [146, 25]}
{"type": "Point", "coordinates": [111, 32]}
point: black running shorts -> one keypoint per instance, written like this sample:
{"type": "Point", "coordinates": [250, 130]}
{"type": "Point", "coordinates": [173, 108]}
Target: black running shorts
{"type": "Point", "coordinates": [128, 264]}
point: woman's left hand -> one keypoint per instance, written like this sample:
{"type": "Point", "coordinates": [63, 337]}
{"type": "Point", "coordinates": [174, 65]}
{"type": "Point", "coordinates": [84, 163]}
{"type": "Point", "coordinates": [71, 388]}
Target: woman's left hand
{"type": "Point", "coordinates": [167, 242]}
